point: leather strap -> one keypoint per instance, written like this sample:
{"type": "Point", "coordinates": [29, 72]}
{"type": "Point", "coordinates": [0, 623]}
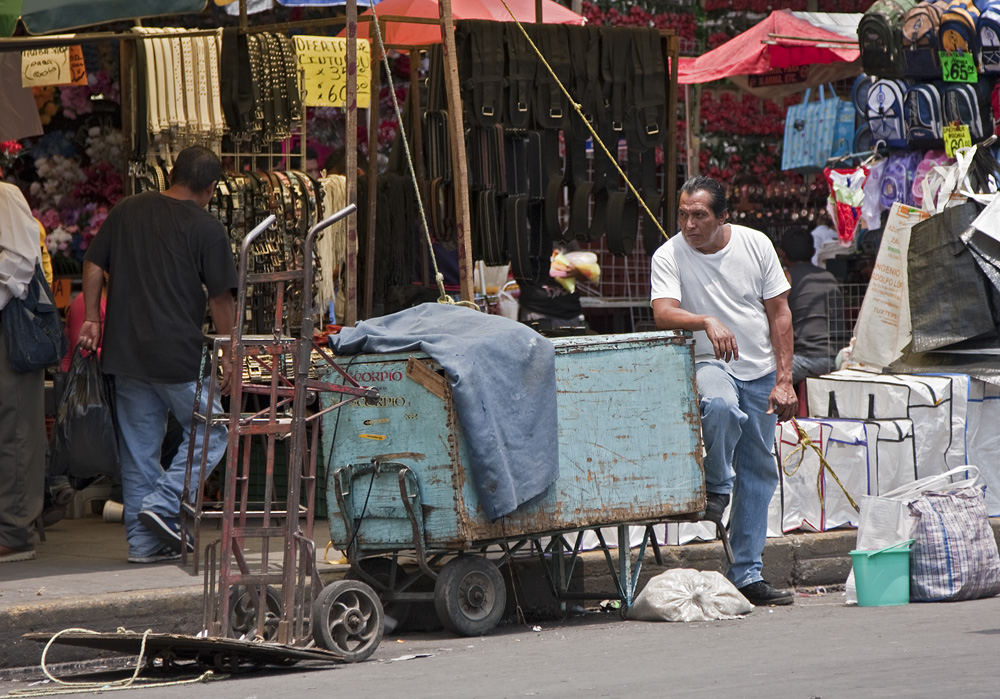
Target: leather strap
{"type": "Point", "coordinates": [521, 66]}
{"type": "Point", "coordinates": [480, 44]}
{"type": "Point", "coordinates": [551, 109]}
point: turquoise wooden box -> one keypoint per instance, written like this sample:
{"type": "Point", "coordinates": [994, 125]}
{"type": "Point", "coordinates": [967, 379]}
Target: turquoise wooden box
{"type": "Point", "coordinates": [629, 448]}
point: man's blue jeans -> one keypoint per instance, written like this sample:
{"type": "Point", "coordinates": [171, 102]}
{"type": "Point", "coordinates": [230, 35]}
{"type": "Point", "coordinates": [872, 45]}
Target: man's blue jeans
{"type": "Point", "coordinates": [142, 422]}
{"type": "Point", "coordinates": [739, 459]}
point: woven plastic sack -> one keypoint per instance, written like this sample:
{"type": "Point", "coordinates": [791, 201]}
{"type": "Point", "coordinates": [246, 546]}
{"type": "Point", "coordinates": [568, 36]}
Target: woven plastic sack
{"type": "Point", "coordinates": [954, 556]}
{"type": "Point", "coordinates": [683, 594]}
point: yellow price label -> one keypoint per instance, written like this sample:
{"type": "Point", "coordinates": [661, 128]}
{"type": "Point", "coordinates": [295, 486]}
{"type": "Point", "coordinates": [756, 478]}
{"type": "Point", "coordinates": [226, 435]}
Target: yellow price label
{"type": "Point", "coordinates": [323, 62]}
{"type": "Point", "coordinates": [376, 437]}
{"type": "Point", "coordinates": [956, 136]}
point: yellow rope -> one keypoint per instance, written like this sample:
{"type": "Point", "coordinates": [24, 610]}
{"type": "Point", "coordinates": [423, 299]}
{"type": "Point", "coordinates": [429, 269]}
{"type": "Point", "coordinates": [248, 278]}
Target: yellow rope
{"type": "Point", "coordinates": [438, 277]}
{"type": "Point", "coordinates": [806, 443]}
{"type": "Point", "coordinates": [593, 133]}
{"type": "Point", "coordinates": [133, 682]}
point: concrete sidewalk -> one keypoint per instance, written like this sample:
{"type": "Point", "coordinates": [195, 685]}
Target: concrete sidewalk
{"type": "Point", "coordinates": [80, 579]}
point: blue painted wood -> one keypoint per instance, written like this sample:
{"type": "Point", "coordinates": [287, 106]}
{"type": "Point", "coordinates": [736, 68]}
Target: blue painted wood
{"type": "Point", "coordinates": [629, 447]}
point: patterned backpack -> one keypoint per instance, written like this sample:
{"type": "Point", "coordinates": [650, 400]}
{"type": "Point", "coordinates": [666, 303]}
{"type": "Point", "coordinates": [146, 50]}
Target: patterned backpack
{"type": "Point", "coordinates": [880, 37]}
{"type": "Point", "coordinates": [920, 40]}
{"type": "Point", "coordinates": [968, 104]}
{"type": "Point", "coordinates": [958, 27]}
{"type": "Point", "coordinates": [988, 29]}
{"type": "Point", "coordinates": [923, 112]}
{"type": "Point", "coordinates": [885, 112]}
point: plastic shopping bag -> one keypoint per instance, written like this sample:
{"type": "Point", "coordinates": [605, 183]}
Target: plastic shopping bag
{"type": "Point", "coordinates": [683, 594]}
{"type": "Point", "coordinates": [85, 436]}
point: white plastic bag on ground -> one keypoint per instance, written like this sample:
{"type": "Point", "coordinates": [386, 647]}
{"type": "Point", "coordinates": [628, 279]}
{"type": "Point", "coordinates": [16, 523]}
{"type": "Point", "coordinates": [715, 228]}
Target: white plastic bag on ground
{"type": "Point", "coordinates": [683, 594]}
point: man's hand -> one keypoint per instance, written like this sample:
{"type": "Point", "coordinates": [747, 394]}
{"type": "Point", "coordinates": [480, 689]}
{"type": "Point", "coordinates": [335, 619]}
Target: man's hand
{"type": "Point", "coordinates": [783, 401]}
{"type": "Point", "coordinates": [722, 339]}
{"type": "Point", "coordinates": [90, 335]}
{"type": "Point", "coordinates": [226, 382]}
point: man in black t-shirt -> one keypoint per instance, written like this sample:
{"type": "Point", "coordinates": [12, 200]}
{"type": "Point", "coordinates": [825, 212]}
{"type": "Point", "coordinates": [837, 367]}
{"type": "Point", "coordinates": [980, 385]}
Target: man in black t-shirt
{"type": "Point", "coordinates": [161, 252]}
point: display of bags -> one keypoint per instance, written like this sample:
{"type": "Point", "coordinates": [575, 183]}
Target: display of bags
{"type": "Point", "coordinates": [884, 112]}
{"type": "Point", "coordinates": [988, 28]}
{"type": "Point", "coordinates": [923, 112]}
{"type": "Point", "coordinates": [32, 328]}
{"type": "Point", "coordinates": [85, 436]}
{"type": "Point", "coordinates": [920, 40]}
{"type": "Point", "coordinates": [897, 180]}
{"type": "Point", "coordinates": [954, 555]}
{"type": "Point", "coordinates": [809, 132]}
{"type": "Point", "coordinates": [880, 37]}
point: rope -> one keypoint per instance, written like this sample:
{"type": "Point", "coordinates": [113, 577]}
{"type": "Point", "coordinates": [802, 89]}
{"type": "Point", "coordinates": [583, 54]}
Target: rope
{"type": "Point", "coordinates": [133, 682]}
{"type": "Point", "coordinates": [800, 449]}
{"type": "Point", "coordinates": [438, 277]}
{"type": "Point", "coordinates": [593, 133]}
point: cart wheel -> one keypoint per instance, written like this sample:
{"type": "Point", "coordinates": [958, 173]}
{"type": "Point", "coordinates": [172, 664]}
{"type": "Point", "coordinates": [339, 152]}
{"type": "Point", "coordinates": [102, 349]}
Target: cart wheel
{"type": "Point", "coordinates": [243, 612]}
{"type": "Point", "coordinates": [397, 611]}
{"type": "Point", "coordinates": [470, 596]}
{"type": "Point", "coordinates": [347, 619]}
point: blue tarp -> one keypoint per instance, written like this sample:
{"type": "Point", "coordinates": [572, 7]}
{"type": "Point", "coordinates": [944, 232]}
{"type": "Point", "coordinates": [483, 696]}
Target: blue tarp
{"type": "Point", "coordinates": [502, 376]}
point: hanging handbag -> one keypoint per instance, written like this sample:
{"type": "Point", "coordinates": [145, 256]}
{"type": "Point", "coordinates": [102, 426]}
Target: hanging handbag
{"type": "Point", "coordinates": [809, 132]}
{"type": "Point", "coordinates": [32, 328]}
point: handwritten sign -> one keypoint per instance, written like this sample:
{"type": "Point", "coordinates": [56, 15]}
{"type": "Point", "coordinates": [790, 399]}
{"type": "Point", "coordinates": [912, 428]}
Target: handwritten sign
{"type": "Point", "coordinates": [62, 65]}
{"type": "Point", "coordinates": [956, 136]}
{"type": "Point", "coordinates": [958, 67]}
{"type": "Point", "coordinates": [323, 62]}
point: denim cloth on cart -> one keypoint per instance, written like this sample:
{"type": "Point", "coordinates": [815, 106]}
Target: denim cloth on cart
{"type": "Point", "coordinates": [502, 375]}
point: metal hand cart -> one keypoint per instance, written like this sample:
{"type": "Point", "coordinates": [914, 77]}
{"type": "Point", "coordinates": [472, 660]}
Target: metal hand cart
{"type": "Point", "coordinates": [278, 597]}
{"type": "Point", "coordinates": [398, 489]}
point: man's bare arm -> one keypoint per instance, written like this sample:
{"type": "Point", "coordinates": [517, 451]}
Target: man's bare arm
{"type": "Point", "coordinates": [670, 316]}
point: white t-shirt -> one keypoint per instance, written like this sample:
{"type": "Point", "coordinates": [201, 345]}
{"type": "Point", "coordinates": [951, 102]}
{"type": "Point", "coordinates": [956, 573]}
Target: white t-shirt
{"type": "Point", "coordinates": [730, 285]}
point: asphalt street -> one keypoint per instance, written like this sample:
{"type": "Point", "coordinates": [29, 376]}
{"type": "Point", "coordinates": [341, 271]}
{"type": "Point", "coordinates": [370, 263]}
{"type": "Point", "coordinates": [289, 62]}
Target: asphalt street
{"type": "Point", "coordinates": [817, 648]}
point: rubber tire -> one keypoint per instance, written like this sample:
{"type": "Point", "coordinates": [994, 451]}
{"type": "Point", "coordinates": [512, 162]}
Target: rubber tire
{"type": "Point", "coordinates": [397, 611]}
{"type": "Point", "coordinates": [243, 616]}
{"type": "Point", "coordinates": [470, 596]}
{"type": "Point", "coordinates": [347, 618]}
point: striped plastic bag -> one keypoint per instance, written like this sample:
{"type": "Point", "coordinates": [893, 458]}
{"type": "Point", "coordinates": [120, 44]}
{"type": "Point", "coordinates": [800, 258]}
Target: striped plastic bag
{"type": "Point", "coordinates": [954, 555]}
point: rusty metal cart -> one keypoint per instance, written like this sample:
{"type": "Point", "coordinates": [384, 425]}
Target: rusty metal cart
{"type": "Point", "coordinates": [399, 485]}
{"type": "Point", "coordinates": [279, 596]}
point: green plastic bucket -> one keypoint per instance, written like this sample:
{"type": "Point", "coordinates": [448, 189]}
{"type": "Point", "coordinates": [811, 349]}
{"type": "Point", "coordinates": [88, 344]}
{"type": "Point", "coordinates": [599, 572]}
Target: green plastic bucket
{"type": "Point", "coordinates": [882, 577]}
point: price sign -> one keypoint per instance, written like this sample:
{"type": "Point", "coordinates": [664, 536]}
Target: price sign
{"type": "Point", "coordinates": [956, 136]}
{"type": "Point", "coordinates": [323, 61]}
{"type": "Point", "coordinates": [958, 67]}
{"type": "Point", "coordinates": [62, 65]}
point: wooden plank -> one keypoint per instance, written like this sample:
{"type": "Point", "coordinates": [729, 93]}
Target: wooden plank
{"type": "Point", "coordinates": [427, 377]}
{"type": "Point", "coordinates": [460, 178]}
{"type": "Point", "coordinates": [673, 48]}
{"type": "Point", "coordinates": [350, 286]}
{"type": "Point", "coordinates": [372, 172]}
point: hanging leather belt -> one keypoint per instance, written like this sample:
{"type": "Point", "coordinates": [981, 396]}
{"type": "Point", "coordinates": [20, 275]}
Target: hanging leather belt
{"type": "Point", "coordinates": [480, 44]}
{"type": "Point", "coordinates": [521, 66]}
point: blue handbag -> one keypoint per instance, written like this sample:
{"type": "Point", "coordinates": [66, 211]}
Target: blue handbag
{"type": "Point", "coordinates": [809, 132]}
{"type": "Point", "coordinates": [32, 328]}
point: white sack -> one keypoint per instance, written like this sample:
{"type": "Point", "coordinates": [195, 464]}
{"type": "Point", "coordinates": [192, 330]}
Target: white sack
{"type": "Point", "coordinates": [683, 594]}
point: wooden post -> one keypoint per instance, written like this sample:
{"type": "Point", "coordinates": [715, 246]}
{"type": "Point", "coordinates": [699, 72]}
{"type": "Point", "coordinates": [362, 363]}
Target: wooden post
{"type": "Point", "coordinates": [692, 106]}
{"type": "Point", "coordinates": [350, 286]}
{"type": "Point", "coordinates": [670, 147]}
{"type": "Point", "coordinates": [372, 172]}
{"type": "Point", "coordinates": [460, 177]}
{"type": "Point", "coordinates": [417, 134]}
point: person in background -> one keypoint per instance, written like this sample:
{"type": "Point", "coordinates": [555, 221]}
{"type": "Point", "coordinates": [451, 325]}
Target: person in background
{"type": "Point", "coordinates": [312, 163]}
{"type": "Point", "coordinates": [22, 396]}
{"type": "Point", "coordinates": [816, 305]}
{"type": "Point", "coordinates": [724, 282]}
{"type": "Point", "coordinates": [822, 233]}
{"type": "Point", "coordinates": [152, 340]}
{"type": "Point", "coordinates": [336, 163]}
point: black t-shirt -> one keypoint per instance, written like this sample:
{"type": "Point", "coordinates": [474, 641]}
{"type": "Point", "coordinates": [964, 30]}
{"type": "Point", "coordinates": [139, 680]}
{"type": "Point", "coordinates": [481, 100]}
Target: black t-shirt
{"type": "Point", "coordinates": [158, 252]}
{"type": "Point", "coordinates": [814, 302]}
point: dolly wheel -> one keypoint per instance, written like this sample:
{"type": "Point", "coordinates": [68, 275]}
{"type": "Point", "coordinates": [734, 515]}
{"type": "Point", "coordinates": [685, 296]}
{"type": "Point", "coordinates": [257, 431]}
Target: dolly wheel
{"type": "Point", "coordinates": [243, 612]}
{"type": "Point", "coordinates": [347, 619]}
{"type": "Point", "coordinates": [396, 611]}
{"type": "Point", "coordinates": [470, 596]}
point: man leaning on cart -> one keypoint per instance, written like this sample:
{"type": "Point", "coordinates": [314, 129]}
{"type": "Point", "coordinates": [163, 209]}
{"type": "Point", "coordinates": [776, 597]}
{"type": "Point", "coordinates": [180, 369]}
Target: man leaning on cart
{"type": "Point", "coordinates": [724, 282]}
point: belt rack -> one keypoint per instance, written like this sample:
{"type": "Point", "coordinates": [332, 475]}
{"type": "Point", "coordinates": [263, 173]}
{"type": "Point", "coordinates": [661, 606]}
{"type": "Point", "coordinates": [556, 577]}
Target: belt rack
{"type": "Point", "coordinates": [239, 599]}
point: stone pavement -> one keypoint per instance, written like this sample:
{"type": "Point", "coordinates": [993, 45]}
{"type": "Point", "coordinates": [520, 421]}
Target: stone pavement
{"type": "Point", "coordinates": [80, 579]}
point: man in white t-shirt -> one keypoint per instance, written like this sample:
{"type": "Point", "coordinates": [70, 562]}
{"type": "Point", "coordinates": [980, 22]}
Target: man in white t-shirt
{"type": "Point", "coordinates": [724, 282]}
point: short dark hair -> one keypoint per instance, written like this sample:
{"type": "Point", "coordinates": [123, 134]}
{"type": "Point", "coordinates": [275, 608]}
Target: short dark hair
{"type": "Point", "coordinates": [196, 168]}
{"type": "Point", "coordinates": [797, 244]}
{"type": "Point", "coordinates": [716, 193]}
